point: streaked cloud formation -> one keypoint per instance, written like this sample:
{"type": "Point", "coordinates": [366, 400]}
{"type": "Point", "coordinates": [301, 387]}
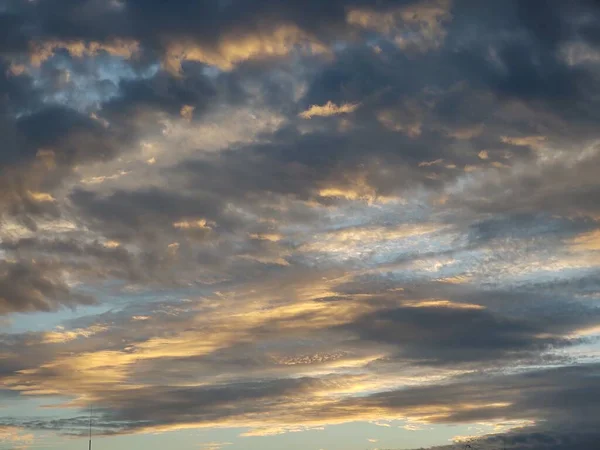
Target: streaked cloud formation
{"type": "Point", "coordinates": [249, 224]}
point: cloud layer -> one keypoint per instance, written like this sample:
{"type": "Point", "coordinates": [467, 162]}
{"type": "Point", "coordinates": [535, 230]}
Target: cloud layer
{"type": "Point", "coordinates": [282, 216]}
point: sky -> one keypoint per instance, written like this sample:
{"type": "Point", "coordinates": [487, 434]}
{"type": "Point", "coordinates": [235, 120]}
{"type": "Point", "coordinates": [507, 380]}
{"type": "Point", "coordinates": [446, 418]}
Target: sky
{"type": "Point", "coordinates": [300, 224]}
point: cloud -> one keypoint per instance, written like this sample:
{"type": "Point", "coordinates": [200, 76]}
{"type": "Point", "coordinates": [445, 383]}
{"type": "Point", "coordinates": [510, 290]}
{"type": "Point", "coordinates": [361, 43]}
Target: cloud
{"type": "Point", "coordinates": [426, 252]}
{"type": "Point", "coordinates": [16, 437]}
{"type": "Point", "coordinates": [437, 333]}
{"type": "Point", "coordinates": [586, 241]}
{"type": "Point", "coordinates": [535, 142]}
{"type": "Point", "coordinates": [230, 51]}
{"type": "Point", "coordinates": [186, 224]}
{"type": "Point", "coordinates": [214, 445]}
{"type": "Point", "coordinates": [30, 287]}
{"type": "Point", "coordinates": [328, 109]}
{"type": "Point", "coordinates": [418, 26]}
{"type": "Point", "coordinates": [40, 52]}
{"type": "Point", "coordinates": [61, 336]}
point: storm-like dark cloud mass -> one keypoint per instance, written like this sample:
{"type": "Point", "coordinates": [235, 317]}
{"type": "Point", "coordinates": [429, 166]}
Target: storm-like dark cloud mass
{"type": "Point", "coordinates": [235, 223]}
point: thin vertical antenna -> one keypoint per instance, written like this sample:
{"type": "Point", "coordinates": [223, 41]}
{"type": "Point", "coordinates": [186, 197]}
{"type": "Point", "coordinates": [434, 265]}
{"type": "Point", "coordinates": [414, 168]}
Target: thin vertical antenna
{"type": "Point", "coordinates": [91, 410]}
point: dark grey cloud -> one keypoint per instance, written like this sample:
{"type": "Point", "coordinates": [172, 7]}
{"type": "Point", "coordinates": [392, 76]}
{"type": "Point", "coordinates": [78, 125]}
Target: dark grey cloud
{"type": "Point", "coordinates": [558, 398]}
{"type": "Point", "coordinates": [26, 287]}
{"type": "Point", "coordinates": [562, 439]}
{"type": "Point", "coordinates": [76, 136]}
{"type": "Point", "coordinates": [207, 402]}
{"type": "Point", "coordinates": [41, 151]}
{"type": "Point", "coordinates": [146, 213]}
{"type": "Point", "coordinates": [441, 335]}
{"type": "Point", "coordinates": [166, 93]}
{"type": "Point", "coordinates": [93, 261]}
{"type": "Point", "coordinates": [555, 395]}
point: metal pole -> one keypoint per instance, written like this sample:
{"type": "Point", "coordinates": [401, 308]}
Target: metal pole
{"type": "Point", "coordinates": [90, 447]}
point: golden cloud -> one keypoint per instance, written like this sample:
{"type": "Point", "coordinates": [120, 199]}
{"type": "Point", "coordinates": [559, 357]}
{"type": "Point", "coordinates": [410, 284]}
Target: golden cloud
{"type": "Point", "coordinates": [102, 178]}
{"type": "Point", "coordinates": [381, 233]}
{"type": "Point", "coordinates": [350, 240]}
{"type": "Point", "coordinates": [62, 336]}
{"type": "Point", "coordinates": [196, 224]}
{"type": "Point", "coordinates": [105, 376]}
{"type": "Point", "coordinates": [214, 445]}
{"type": "Point", "coordinates": [235, 48]}
{"type": "Point", "coordinates": [187, 112]}
{"type": "Point", "coordinates": [329, 109]}
{"type": "Point", "coordinates": [434, 303]}
{"type": "Point", "coordinates": [430, 163]}
{"type": "Point", "coordinates": [86, 374]}
{"type": "Point", "coordinates": [459, 279]}
{"type": "Point", "coordinates": [533, 142]}
{"type": "Point", "coordinates": [416, 27]}
{"type": "Point", "coordinates": [15, 437]}
{"type": "Point", "coordinates": [586, 242]}
{"type": "Point", "coordinates": [16, 69]}
{"type": "Point", "coordinates": [271, 237]}
{"type": "Point", "coordinates": [41, 197]}
{"type": "Point", "coordinates": [140, 318]}
{"type": "Point", "coordinates": [41, 51]}
{"type": "Point", "coordinates": [355, 187]}
{"type": "Point", "coordinates": [268, 259]}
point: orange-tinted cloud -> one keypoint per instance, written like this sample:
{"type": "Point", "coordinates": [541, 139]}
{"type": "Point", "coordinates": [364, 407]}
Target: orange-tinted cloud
{"type": "Point", "coordinates": [276, 41]}
{"type": "Point", "coordinates": [416, 27]}
{"type": "Point", "coordinates": [329, 109]}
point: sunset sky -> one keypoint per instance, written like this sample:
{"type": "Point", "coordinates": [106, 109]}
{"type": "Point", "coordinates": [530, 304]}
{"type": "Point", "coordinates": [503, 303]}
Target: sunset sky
{"type": "Point", "coordinates": [300, 224]}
